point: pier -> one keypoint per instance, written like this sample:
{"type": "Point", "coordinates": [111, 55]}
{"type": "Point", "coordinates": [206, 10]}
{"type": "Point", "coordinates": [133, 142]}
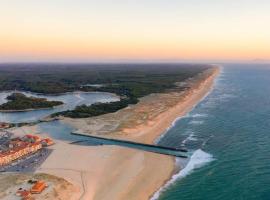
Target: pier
{"type": "Point", "coordinates": [176, 152]}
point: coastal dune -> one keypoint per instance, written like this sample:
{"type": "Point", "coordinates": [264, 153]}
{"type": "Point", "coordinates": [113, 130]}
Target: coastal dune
{"type": "Point", "coordinates": [115, 173]}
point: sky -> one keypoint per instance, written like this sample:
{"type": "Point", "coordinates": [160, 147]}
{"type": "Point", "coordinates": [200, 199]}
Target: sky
{"type": "Point", "coordinates": [88, 30]}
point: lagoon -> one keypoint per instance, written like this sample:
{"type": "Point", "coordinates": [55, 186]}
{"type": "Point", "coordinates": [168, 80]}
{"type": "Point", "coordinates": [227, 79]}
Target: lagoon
{"type": "Point", "coordinates": [71, 100]}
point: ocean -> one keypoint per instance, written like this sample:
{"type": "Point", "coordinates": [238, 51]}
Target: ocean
{"type": "Point", "coordinates": [228, 133]}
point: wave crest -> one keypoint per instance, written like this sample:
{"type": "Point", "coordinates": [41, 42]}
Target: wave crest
{"type": "Point", "coordinates": [198, 159]}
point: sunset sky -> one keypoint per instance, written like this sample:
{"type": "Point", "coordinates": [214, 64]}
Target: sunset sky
{"type": "Point", "coordinates": [86, 30]}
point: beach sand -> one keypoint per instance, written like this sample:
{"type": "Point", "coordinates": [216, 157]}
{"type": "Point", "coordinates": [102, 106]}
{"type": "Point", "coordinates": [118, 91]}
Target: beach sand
{"type": "Point", "coordinates": [118, 173]}
{"type": "Point", "coordinates": [108, 172]}
{"type": "Point", "coordinates": [152, 116]}
{"type": "Point", "coordinates": [58, 188]}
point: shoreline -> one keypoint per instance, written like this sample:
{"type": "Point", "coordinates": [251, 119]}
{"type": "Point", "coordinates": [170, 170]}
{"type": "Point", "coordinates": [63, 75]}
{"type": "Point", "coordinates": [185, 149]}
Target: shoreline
{"type": "Point", "coordinates": [29, 109]}
{"type": "Point", "coordinates": [208, 86]}
{"type": "Point", "coordinates": [134, 174]}
{"type": "Point", "coordinates": [148, 133]}
{"type": "Point", "coordinates": [52, 94]}
{"type": "Point", "coordinates": [166, 120]}
{"type": "Point", "coordinates": [153, 129]}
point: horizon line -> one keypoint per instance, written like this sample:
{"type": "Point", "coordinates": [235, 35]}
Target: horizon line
{"type": "Point", "coordinates": [136, 61]}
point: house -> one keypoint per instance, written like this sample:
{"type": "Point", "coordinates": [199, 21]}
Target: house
{"type": "Point", "coordinates": [18, 150]}
{"type": "Point", "coordinates": [38, 187]}
{"type": "Point", "coordinates": [47, 142]}
{"type": "Point", "coordinates": [4, 125]}
{"type": "Point", "coordinates": [31, 138]}
{"type": "Point", "coordinates": [24, 194]}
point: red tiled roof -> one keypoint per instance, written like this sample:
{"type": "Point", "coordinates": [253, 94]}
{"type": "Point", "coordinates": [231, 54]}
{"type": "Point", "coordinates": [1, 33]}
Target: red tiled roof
{"type": "Point", "coordinates": [38, 187]}
{"type": "Point", "coordinates": [24, 193]}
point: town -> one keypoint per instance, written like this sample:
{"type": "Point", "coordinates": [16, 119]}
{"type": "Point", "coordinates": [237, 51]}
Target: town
{"type": "Point", "coordinates": [14, 148]}
{"type": "Point", "coordinates": [20, 154]}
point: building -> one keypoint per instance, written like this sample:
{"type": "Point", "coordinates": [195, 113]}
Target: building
{"type": "Point", "coordinates": [47, 142]}
{"type": "Point", "coordinates": [4, 125]}
{"type": "Point", "coordinates": [17, 149]}
{"type": "Point", "coordinates": [31, 138]}
{"type": "Point", "coordinates": [24, 194]}
{"type": "Point", "coordinates": [38, 187]}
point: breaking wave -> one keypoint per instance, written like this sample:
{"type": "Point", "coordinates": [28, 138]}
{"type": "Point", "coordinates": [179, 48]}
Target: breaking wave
{"type": "Point", "coordinates": [196, 122]}
{"type": "Point", "coordinates": [199, 115]}
{"type": "Point", "coordinates": [198, 159]}
{"type": "Point", "coordinates": [191, 137]}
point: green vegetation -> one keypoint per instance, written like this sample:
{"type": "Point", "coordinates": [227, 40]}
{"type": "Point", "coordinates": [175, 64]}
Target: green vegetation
{"type": "Point", "coordinates": [129, 81]}
{"type": "Point", "coordinates": [97, 109]}
{"type": "Point", "coordinates": [18, 101]}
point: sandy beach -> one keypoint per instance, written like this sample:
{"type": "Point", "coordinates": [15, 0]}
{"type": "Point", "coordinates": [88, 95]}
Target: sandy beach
{"type": "Point", "coordinates": [116, 173]}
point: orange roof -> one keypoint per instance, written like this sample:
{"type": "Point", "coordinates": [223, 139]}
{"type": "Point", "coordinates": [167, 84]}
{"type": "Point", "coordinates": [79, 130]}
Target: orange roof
{"type": "Point", "coordinates": [24, 193]}
{"type": "Point", "coordinates": [18, 148]}
{"type": "Point", "coordinates": [48, 140]}
{"type": "Point", "coordinates": [32, 136]}
{"type": "Point", "coordinates": [4, 125]}
{"type": "Point", "coordinates": [38, 187]}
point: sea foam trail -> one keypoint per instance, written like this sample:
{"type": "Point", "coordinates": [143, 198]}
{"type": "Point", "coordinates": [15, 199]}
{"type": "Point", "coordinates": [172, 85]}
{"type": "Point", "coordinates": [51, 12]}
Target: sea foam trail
{"type": "Point", "coordinates": [199, 115]}
{"type": "Point", "coordinates": [158, 139]}
{"type": "Point", "coordinates": [191, 137]}
{"type": "Point", "coordinates": [198, 159]}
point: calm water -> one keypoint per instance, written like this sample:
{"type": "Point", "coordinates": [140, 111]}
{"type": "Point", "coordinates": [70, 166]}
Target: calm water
{"type": "Point", "coordinates": [71, 100]}
{"type": "Point", "coordinates": [229, 132]}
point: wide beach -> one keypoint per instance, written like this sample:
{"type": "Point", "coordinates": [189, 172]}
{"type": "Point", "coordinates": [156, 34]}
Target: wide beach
{"type": "Point", "coordinates": [111, 172]}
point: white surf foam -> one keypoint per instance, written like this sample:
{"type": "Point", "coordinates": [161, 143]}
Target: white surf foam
{"type": "Point", "coordinates": [199, 115]}
{"type": "Point", "coordinates": [191, 137]}
{"type": "Point", "coordinates": [201, 100]}
{"type": "Point", "coordinates": [198, 159]}
{"type": "Point", "coordinates": [177, 119]}
{"type": "Point", "coordinates": [171, 126]}
{"type": "Point", "coordinates": [196, 122]}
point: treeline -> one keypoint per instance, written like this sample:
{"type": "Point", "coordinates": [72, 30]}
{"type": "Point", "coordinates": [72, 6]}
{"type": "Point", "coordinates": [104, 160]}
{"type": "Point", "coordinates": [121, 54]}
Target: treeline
{"type": "Point", "coordinates": [139, 79]}
{"type": "Point", "coordinates": [18, 101]}
{"type": "Point", "coordinates": [129, 81]}
{"type": "Point", "coordinates": [96, 109]}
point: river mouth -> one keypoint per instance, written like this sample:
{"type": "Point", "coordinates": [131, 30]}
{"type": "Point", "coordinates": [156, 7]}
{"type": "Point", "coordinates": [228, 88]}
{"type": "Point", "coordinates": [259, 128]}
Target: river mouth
{"type": "Point", "coordinates": [70, 100]}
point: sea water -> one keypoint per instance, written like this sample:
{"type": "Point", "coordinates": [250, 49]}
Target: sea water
{"type": "Point", "coordinates": [229, 135]}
